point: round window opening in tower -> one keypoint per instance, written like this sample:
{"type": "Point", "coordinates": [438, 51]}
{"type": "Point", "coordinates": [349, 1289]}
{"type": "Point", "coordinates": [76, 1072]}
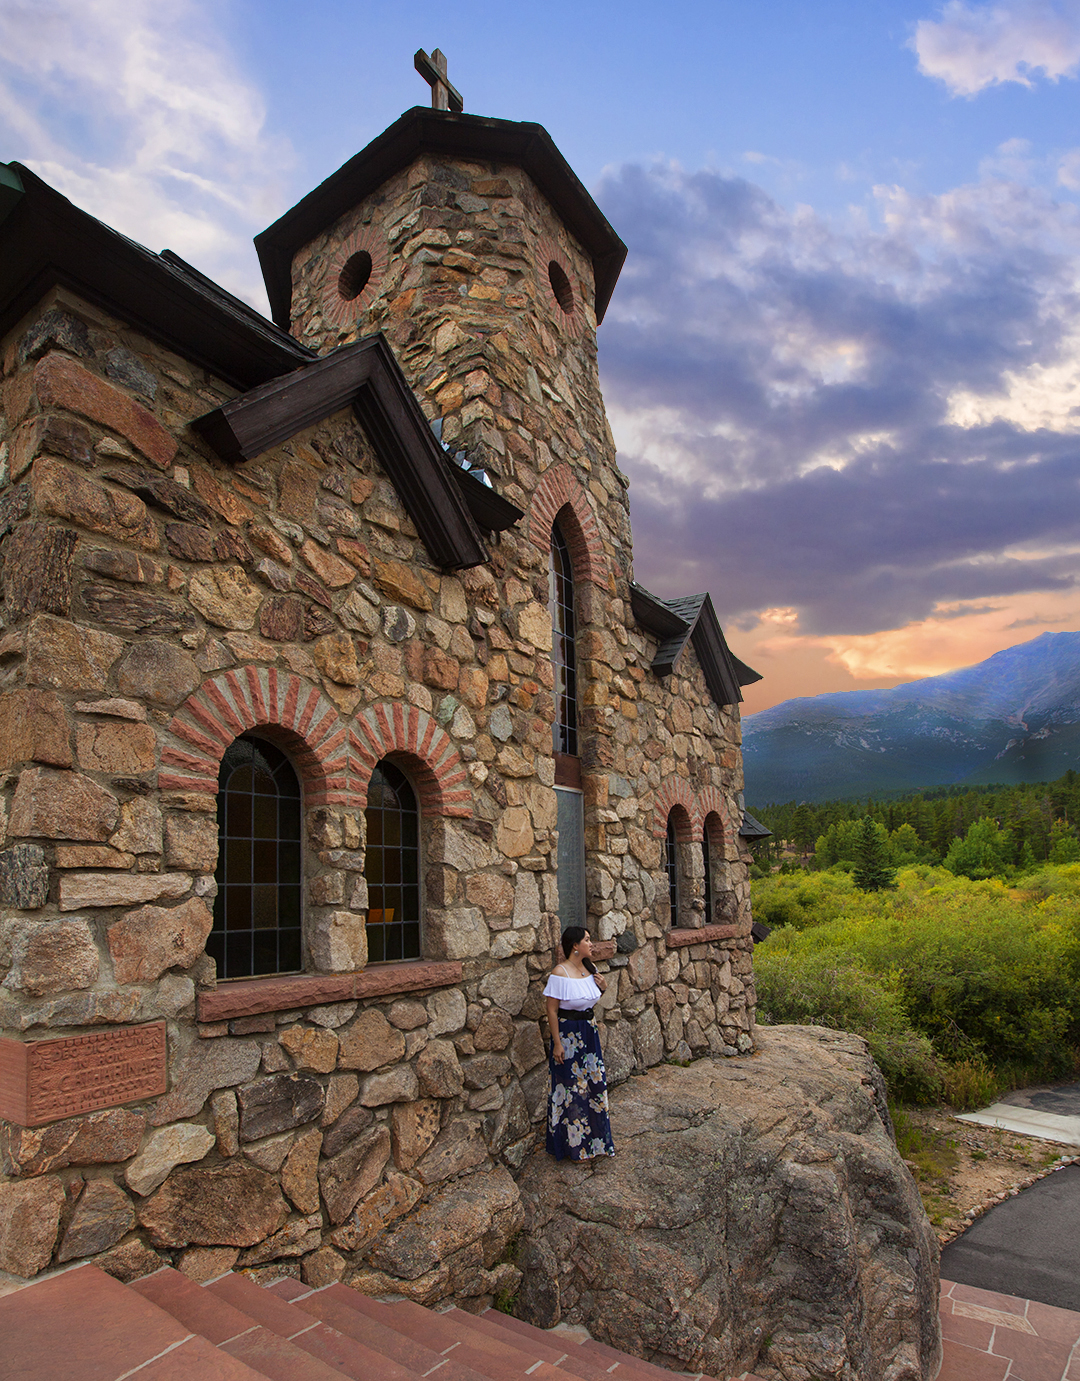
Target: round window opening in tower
{"type": "Point", "coordinates": [354, 275]}
{"type": "Point", "coordinates": [560, 286]}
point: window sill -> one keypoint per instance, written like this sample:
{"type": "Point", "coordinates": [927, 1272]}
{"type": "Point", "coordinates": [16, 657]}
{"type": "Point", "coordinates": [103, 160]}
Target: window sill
{"type": "Point", "coordinates": [251, 996]}
{"type": "Point", "coordinates": [678, 939]}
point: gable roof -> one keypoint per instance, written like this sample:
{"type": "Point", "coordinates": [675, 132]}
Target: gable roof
{"type": "Point", "coordinates": [692, 619]}
{"type": "Point", "coordinates": [753, 829]}
{"type": "Point", "coordinates": [419, 131]}
{"type": "Point", "coordinates": [447, 505]}
{"type": "Point", "coordinates": [46, 242]}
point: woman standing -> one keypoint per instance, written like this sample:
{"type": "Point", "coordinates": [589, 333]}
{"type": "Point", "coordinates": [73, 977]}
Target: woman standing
{"type": "Point", "coordinates": [578, 1127]}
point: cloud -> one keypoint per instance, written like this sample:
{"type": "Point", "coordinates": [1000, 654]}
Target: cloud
{"type": "Point", "coordinates": [136, 112]}
{"type": "Point", "coordinates": [972, 47]}
{"type": "Point", "coordinates": [854, 421]}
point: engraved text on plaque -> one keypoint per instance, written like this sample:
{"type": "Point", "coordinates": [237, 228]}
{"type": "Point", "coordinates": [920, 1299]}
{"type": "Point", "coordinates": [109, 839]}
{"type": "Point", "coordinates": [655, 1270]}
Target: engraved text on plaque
{"type": "Point", "coordinates": [43, 1081]}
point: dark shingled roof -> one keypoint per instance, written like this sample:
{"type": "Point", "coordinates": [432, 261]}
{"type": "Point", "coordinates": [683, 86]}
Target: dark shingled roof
{"type": "Point", "coordinates": [752, 829]}
{"type": "Point", "coordinates": [476, 137]}
{"type": "Point", "coordinates": [47, 242]}
{"type": "Point", "coordinates": [692, 619]}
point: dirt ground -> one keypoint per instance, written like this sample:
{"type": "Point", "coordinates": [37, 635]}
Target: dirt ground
{"type": "Point", "coordinates": [962, 1169]}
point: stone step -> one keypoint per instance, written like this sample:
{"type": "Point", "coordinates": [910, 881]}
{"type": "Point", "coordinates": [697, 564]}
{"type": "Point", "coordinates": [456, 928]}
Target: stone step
{"type": "Point", "coordinates": [334, 1305]}
{"type": "Point", "coordinates": [82, 1325]}
{"type": "Point", "coordinates": [280, 1359]}
{"type": "Point", "coordinates": [315, 1355]}
{"type": "Point", "coordinates": [556, 1348]}
{"type": "Point", "coordinates": [582, 1366]}
{"type": "Point", "coordinates": [331, 1353]}
{"type": "Point", "coordinates": [646, 1370]}
{"type": "Point", "coordinates": [376, 1351]}
{"type": "Point", "coordinates": [490, 1356]}
{"type": "Point", "coordinates": [195, 1358]}
{"type": "Point", "coordinates": [198, 1309]}
{"type": "Point", "coordinates": [458, 1362]}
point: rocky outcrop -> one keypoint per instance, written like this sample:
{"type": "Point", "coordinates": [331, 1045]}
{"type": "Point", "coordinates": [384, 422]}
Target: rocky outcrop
{"type": "Point", "coordinates": [757, 1216]}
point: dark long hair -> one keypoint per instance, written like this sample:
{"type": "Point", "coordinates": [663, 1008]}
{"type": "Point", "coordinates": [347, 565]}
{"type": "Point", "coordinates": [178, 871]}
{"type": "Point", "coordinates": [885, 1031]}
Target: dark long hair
{"type": "Point", "coordinates": [571, 936]}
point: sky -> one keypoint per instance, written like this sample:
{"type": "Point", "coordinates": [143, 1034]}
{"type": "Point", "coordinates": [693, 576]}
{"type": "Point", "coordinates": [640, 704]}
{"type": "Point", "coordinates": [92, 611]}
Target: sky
{"type": "Point", "coordinates": [842, 364]}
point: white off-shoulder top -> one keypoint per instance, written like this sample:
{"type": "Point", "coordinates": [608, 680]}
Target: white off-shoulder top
{"type": "Point", "coordinates": [577, 994]}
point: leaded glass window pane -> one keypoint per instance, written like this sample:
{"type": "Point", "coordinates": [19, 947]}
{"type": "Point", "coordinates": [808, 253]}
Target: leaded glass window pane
{"type": "Point", "coordinates": [392, 867]}
{"type": "Point", "coordinates": [257, 911]}
{"type": "Point", "coordinates": [563, 654]}
{"type": "Point", "coordinates": [671, 863]}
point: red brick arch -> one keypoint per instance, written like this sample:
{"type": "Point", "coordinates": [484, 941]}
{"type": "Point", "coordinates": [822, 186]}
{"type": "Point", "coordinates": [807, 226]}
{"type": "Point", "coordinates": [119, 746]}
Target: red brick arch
{"type": "Point", "coordinates": [676, 792]}
{"type": "Point", "coordinates": [334, 760]}
{"type": "Point", "coordinates": [557, 491]}
{"type": "Point", "coordinates": [712, 801]}
{"type": "Point", "coordinates": [282, 704]}
{"type": "Point", "coordinates": [410, 736]}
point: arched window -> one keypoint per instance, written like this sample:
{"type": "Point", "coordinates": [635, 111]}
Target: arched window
{"type": "Point", "coordinates": [707, 881]}
{"type": "Point", "coordinates": [563, 654]}
{"type": "Point", "coordinates": [671, 865]}
{"type": "Point", "coordinates": [257, 912]}
{"type": "Point", "coordinates": [721, 906]}
{"type": "Point", "coordinates": [392, 866]}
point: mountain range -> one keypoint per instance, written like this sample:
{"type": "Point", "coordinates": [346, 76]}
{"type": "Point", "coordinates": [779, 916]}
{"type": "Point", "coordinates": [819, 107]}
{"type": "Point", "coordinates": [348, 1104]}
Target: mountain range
{"type": "Point", "coordinates": [1013, 718]}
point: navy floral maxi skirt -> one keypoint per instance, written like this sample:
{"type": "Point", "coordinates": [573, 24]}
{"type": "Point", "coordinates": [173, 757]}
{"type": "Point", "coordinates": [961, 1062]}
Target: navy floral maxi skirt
{"type": "Point", "coordinates": [577, 1126]}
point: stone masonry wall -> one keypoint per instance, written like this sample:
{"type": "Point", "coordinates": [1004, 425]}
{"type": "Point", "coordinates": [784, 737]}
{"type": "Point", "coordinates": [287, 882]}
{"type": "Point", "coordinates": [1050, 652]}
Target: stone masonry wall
{"type": "Point", "coordinates": [358, 1123]}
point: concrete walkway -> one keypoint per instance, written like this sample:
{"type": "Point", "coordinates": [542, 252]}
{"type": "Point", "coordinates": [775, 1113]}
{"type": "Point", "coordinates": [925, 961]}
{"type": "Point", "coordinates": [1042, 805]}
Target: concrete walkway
{"type": "Point", "coordinates": [993, 1337]}
{"type": "Point", "coordinates": [1049, 1111]}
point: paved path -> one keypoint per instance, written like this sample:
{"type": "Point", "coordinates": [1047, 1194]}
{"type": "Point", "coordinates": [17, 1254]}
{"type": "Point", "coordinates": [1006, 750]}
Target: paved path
{"type": "Point", "coordinates": [1050, 1111]}
{"type": "Point", "coordinates": [995, 1337]}
{"type": "Point", "coordinates": [1028, 1246]}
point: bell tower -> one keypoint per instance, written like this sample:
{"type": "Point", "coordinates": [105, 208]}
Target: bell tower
{"type": "Point", "coordinates": [472, 246]}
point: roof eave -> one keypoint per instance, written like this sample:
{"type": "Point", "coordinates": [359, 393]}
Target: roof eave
{"type": "Point", "coordinates": [421, 130]}
{"type": "Point", "coordinates": [653, 614]}
{"type": "Point", "coordinates": [47, 242]}
{"type": "Point", "coordinates": [366, 377]}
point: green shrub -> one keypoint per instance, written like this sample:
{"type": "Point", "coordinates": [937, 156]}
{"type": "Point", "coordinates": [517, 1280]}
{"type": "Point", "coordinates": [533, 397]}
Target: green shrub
{"type": "Point", "coordinates": [978, 971]}
{"type": "Point", "coordinates": [984, 852]}
{"type": "Point", "coordinates": [969, 1084]}
{"type": "Point", "coordinates": [802, 899]}
{"type": "Point", "coordinates": [833, 989]}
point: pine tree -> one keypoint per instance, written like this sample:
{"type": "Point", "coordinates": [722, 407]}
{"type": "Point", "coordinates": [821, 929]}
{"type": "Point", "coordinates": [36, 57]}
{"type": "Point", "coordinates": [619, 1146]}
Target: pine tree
{"type": "Point", "coordinates": [873, 872]}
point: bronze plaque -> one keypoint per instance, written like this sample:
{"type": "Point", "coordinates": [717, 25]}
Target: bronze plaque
{"type": "Point", "coordinates": [79, 1074]}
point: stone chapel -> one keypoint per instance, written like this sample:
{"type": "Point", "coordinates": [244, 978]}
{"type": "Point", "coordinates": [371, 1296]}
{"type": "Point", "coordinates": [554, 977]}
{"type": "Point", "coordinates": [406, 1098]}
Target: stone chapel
{"type": "Point", "coordinates": [327, 699]}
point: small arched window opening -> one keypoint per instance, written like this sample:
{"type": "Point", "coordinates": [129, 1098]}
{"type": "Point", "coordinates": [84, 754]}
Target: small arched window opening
{"type": "Point", "coordinates": [563, 649]}
{"type": "Point", "coordinates": [257, 911]}
{"type": "Point", "coordinates": [392, 866]}
{"type": "Point", "coordinates": [671, 866]}
{"type": "Point", "coordinates": [720, 904]}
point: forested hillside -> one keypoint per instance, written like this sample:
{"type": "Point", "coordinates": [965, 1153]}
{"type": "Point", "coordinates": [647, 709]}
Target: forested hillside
{"type": "Point", "coordinates": [1036, 824]}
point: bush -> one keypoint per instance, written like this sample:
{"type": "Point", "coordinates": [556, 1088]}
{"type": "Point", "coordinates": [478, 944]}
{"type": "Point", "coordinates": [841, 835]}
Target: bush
{"type": "Point", "coordinates": [984, 852]}
{"type": "Point", "coordinates": [833, 989]}
{"type": "Point", "coordinates": [802, 899]}
{"type": "Point", "coordinates": [969, 1084]}
{"type": "Point", "coordinates": [980, 972]}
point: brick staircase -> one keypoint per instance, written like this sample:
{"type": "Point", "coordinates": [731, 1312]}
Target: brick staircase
{"type": "Point", "coordinates": [82, 1325]}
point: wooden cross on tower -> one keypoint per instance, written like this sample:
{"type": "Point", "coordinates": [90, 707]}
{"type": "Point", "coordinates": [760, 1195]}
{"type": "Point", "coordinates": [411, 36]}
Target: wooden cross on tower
{"type": "Point", "coordinates": [433, 70]}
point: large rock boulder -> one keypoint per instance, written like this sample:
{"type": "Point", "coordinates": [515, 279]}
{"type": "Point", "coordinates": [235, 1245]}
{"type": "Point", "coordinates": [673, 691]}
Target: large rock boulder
{"type": "Point", "coordinates": [757, 1216]}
